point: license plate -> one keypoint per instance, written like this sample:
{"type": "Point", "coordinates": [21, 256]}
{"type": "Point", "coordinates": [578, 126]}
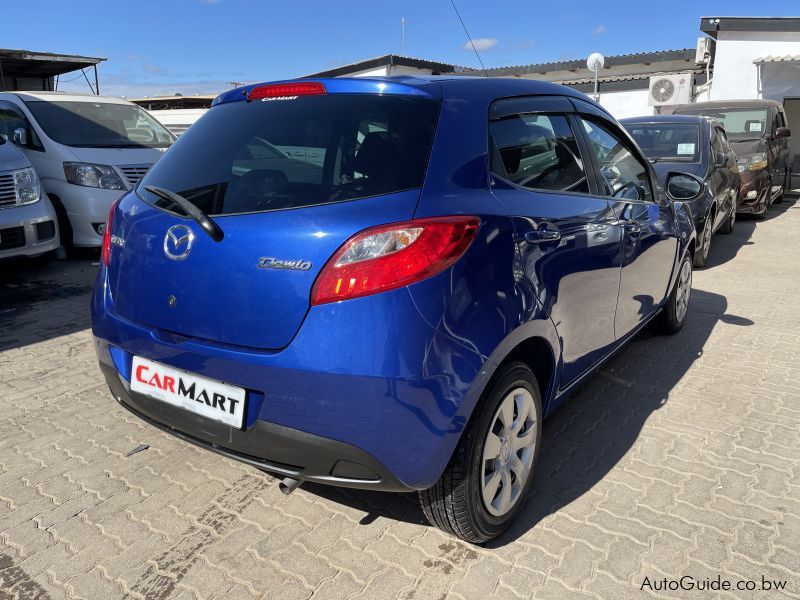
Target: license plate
{"type": "Point", "coordinates": [207, 397]}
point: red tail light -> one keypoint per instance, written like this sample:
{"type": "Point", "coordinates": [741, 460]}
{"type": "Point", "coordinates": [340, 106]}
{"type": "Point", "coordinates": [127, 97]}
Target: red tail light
{"type": "Point", "coordinates": [273, 90]}
{"type": "Point", "coordinates": [105, 250]}
{"type": "Point", "coordinates": [391, 256]}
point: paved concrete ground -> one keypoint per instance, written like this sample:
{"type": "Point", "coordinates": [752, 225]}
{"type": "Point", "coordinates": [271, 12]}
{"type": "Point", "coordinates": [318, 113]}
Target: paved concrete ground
{"type": "Point", "coordinates": [680, 458]}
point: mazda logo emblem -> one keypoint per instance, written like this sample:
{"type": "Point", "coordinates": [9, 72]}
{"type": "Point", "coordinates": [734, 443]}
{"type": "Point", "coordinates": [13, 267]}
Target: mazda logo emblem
{"type": "Point", "coordinates": [178, 242]}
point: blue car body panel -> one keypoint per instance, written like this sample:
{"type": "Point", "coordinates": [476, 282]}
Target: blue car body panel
{"type": "Point", "coordinates": [395, 374]}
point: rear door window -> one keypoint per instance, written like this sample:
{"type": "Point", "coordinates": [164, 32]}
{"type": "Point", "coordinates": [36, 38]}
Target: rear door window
{"type": "Point", "coordinates": [298, 152]}
{"type": "Point", "coordinates": [537, 151]}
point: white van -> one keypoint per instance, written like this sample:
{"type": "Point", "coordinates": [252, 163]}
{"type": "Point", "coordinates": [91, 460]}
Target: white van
{"type": "Point", "coordinates": [87, 150]}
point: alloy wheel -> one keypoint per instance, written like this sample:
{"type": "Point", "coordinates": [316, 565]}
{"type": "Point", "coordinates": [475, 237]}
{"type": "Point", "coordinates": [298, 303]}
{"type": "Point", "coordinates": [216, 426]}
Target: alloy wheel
{"type": "Point", "coordinates": [508, 452]}
{"type": "Point", "coordinates": [707, 236]}
{"type": "Point", "coordinates": [683, 292]}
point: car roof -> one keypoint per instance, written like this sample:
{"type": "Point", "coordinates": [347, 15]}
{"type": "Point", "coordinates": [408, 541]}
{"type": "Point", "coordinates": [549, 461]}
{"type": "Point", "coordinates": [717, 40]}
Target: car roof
{"type": "Point", "coordinates": [721, 104]}
{"type": "Point", "coordinates": [65, 97]}
{"type": "Point", "coordinates": [449, 87]}
{"type": "Point", "coordinates": [656, 119]}
{"type": "Point", "coordinates": [667, 119]}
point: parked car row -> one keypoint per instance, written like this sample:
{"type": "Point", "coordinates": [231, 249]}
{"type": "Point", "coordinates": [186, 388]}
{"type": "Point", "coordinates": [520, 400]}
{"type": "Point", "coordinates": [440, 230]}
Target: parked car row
{"type": "Point", "coordinates": [738, 150]}
{"type": "Point", "coordinates": [86, 152]}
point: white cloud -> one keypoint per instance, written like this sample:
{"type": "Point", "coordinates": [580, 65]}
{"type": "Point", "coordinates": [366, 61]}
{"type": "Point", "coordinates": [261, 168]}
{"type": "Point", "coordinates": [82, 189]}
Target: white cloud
{"type": "Point", "coordinates": [154, 69]}
{"type": "Point", "coordinates": [482, 44]}
{"type": "Point", "coordinates": [599, 29]}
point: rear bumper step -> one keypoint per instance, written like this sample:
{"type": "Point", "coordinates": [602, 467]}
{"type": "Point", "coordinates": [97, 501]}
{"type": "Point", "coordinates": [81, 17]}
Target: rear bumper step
{"type": "Point", "coordinates": [273, 448]}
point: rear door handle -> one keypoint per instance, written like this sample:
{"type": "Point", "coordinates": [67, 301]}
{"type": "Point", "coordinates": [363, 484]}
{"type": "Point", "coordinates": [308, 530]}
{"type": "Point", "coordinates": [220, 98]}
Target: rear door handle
{"type": "Point", "coordinates": [538, 236]}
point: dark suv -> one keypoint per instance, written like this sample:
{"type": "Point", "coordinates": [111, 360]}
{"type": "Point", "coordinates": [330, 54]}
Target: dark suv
{"type": "Point", "coordinates": [758, 133]}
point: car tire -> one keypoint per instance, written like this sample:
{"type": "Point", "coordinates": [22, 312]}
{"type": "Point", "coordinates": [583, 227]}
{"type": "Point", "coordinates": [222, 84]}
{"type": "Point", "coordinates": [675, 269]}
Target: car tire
{"type": "Point", "coordinates": [779, 198]}
{"type": "Point", "coordinates": [457, 503]}
{"type": "Point", "coordinates": [730, 222]}
{"type": "Point", "coordinates": [704, 242]}
{"type": "Point", "coordinates": [671, 319]}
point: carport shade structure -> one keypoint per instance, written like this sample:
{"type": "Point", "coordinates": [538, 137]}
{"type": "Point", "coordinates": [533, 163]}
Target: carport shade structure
{"type": "Point", "coordinates": [20, 69]}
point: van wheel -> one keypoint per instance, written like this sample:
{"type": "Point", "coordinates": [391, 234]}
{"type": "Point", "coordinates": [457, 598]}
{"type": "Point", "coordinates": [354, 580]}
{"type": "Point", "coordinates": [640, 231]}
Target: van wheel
{"type": "Point", "coordinates": [485, 484]}
{"type": "Point", "coordinates": [64, 226]}
{"type": "Point", "coordinates": [671, 319]}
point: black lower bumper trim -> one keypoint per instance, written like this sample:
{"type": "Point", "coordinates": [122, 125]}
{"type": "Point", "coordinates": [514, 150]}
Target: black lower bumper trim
{"type": "Point", "coordinates": [267, 446]}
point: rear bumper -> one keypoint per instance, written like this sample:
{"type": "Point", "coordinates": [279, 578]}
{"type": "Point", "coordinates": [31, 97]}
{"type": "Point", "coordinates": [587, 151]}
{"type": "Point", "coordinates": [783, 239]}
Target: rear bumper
{"type": "Point", "coordinates": [274, 448]}
{"type": "Point", "coordinates": [368, 382]}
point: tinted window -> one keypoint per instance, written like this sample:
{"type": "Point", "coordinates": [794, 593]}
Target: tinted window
{"type": "Point", "coordinates": [300, 152]}
{"type": "Point", "coordinates": [717, 144]}
{"type": "Point", "coordinates": [624, 176]}
{"type": "Point", "coordinates": [739, 123]}
{"type": "Point", "coordinates": [673, 142]}
{"type": "Point", "coordinates": [537, 152]}
{"type": "Point", "coordinates": [99, 125]}
{"type": "Point", "coordinates": [12, 118]}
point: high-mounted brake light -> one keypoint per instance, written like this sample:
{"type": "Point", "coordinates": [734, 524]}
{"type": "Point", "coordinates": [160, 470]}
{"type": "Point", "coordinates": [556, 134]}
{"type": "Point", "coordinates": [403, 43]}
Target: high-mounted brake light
{"type": "Point", "coordinates": [105, 250]}
{"type": "Point", "coordinates": [275, 90]}
{"type": "Point", "coordinates": [392, 256]}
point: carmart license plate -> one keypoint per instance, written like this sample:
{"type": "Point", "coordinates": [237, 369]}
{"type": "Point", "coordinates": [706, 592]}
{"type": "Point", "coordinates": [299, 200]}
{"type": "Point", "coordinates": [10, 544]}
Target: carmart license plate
{"type": "Point", "coordinates": [208, 397]}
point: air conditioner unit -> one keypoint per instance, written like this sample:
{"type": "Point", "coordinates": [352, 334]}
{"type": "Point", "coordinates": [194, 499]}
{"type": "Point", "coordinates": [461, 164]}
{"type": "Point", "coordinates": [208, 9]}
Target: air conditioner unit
{"type": "Point", "coordinates": [705, 47]}
{"type": "Point", "coordinates": [669, 90]}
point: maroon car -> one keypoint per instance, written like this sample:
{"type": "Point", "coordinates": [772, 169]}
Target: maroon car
{"type": "Point", "coordinates": [759, 135]}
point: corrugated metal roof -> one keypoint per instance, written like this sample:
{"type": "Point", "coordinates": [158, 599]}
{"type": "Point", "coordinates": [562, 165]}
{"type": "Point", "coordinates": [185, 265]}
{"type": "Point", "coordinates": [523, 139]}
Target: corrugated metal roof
{"type": "Point", "coordinates": [773, 58]}
{"type": "Point", "coordinates": [685, 54]}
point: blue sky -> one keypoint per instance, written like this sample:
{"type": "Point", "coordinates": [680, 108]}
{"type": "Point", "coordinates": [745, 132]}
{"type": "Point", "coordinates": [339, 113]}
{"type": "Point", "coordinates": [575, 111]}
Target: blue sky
{"type": "Point", "coordinates": [198, 46]}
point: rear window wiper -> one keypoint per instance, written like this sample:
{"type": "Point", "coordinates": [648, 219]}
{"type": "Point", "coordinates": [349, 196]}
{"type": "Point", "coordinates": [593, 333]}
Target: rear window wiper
{"type": "Point", "coordinates": [205, 222]}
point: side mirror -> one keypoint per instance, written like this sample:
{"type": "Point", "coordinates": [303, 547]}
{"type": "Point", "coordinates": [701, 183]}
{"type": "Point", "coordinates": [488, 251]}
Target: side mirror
{"type": "Point", "coordinates": [20, 137]}
{"type": "Point", "coordinates": [720, 159]}
{"type": "Point", "coordinates": [682, 186]}
{"type": "Point", "coordinates": [783, 132]}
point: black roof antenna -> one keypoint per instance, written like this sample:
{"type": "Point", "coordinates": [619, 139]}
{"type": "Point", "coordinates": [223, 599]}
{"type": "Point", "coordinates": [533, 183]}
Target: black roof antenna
{"type": "Point", "coordinates": [471, 43]}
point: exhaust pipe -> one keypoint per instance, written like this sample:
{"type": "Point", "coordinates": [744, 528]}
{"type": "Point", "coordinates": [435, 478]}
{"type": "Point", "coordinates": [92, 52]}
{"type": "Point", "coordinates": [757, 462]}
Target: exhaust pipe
{"type": "Point", "coordinates": [288, 485]}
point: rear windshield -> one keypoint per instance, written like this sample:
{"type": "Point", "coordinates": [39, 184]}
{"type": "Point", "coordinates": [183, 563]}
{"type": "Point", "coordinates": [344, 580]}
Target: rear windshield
{"type": "Point", "coordinates": [671, 142]}
{"type": "Point", "coordinates": [99, 125]}
{"type": "Point", "coordinates": [258, 156]}
{"type": "Point", "coordinates": [739, 123]}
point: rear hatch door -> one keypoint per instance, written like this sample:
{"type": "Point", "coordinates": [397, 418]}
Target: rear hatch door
{"type": "Point", "coordinates": [288, 182]}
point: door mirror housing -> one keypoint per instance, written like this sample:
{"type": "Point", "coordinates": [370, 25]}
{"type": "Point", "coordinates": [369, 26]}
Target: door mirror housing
{"type": "Point", "coordinates": [20, 137]}
{"type": "Point", "coordinates": [783, 132]}
{"type": "Point", "coordinates": [683, 186]}
{"type": "Point", "coordinates": [720, 159]}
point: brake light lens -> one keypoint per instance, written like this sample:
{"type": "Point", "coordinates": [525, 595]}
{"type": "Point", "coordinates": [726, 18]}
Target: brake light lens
{"type": "Point", "coordinates": [105, 249]}
{"type": "Point", "coordinates": [274, 90]}
{"type": "Point", "coordinates": [388, 257]}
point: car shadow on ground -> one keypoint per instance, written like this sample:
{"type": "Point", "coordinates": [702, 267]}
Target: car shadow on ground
{"type": "Point", "coordinates": [593, 430]}
{"type": "Point", "coordinates": [44, 301]}
{"type": "Point", "coordinates": [726, 247]}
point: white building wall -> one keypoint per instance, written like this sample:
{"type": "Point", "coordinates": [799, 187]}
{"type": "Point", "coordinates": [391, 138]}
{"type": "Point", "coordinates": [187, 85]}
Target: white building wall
{"type": "Point", "coordinates": [379, 72]}
{"type": "Point", "coordinates": [631, 103]}
{"type": "Point", "coordinates": [391, 70]}
{"type": "Point", "coordinates": [735, 74]}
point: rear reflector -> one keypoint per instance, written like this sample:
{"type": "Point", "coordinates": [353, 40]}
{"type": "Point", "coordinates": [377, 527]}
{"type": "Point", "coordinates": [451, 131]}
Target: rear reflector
{"type": "Point", "coordinates": [275, 90]}
{"type": "Point", "coordinates": [392, 256]}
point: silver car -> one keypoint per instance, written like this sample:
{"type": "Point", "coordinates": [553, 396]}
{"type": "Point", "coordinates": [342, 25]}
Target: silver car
{"type": "Point", "coordinates": [27, 219]}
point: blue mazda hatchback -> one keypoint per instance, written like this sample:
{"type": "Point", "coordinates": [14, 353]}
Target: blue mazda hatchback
{"type": "Point", "coordinates": [387, 283]}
